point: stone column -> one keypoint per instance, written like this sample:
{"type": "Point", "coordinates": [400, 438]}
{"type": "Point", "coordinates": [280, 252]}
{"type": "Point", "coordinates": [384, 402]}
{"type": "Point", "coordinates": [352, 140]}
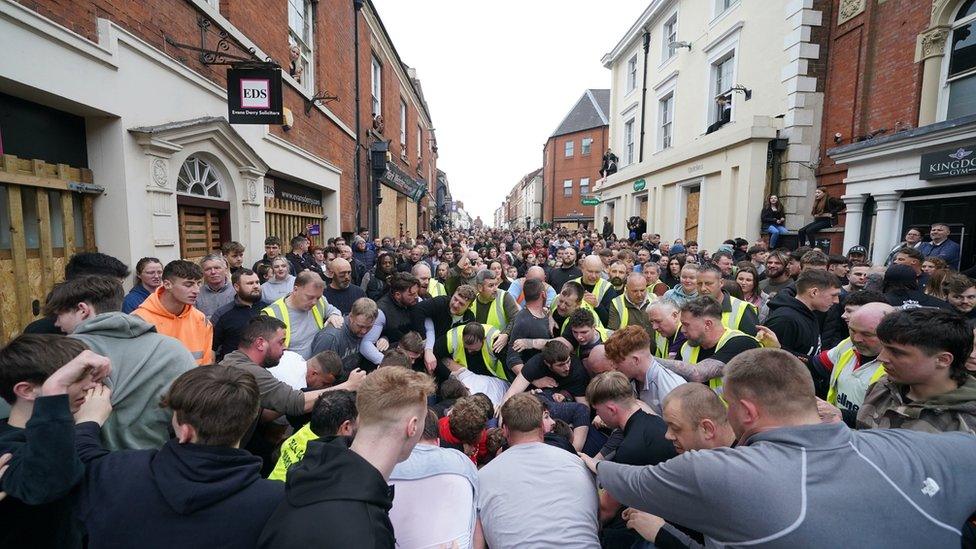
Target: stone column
{"type": "Point", "coordinates": [885, 229]}
{"type": "Point", "coordinates": [929, 49]}
{"type": "Point", "coordinates": [852, 223]}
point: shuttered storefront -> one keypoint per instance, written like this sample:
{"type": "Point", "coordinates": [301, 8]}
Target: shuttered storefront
{"type": "Point", "coordinates": [290, 209]}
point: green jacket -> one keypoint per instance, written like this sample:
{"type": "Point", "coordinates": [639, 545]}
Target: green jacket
{"type": "Point", "coordinates": [885, 407]}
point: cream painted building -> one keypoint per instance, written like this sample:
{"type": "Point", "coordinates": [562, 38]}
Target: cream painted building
{"type": "Point", "coordinates": [667, 72]}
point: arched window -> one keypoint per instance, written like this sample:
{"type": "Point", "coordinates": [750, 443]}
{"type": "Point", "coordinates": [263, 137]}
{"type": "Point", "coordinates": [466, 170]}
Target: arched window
{"type": "Point", "coordinates": [199, 178]}
{"type": "Point", "coordinates": [961, 75]}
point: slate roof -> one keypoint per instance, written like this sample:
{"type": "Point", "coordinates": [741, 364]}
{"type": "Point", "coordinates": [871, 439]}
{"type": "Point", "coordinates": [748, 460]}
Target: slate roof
{"type": "Point", "coordinates": [591, 111]}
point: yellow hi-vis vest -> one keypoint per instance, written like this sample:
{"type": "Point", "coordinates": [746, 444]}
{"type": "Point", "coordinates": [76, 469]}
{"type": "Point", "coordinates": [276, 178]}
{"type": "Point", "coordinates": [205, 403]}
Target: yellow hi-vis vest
{"type": "Point", "coordinates": [732, 319]}
{"type": "Point", "coordinates": [583, 305]}
{"type": "Point", "coordinates": [662, 344]}
{"type": "Point", "coordinates": [847, 358]}
{"type": "Point", "coordinates": [599, 289]}
{"type": "Point", "coordinates": [455, 346]}
{"type": "Point", "coordinates": [435, 288]}
{"type": "Point", "coordinates": [496, 310]}
{"type": "Point", "coordinates": [279, 310]}
{"type": "Point", "coordinates": [621, 306]}
{"type": "Point", "coordinates": [292, 451]}
{"type": "Point", "coordinates": [689, 354]}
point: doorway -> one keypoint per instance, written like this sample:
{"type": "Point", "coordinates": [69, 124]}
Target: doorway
{"type": "Point", "coordinates": [203, 226]}
{"type": "Point", "coordinates": [692, 204]}
{"type": "Point", "coordinates": [954, 211]}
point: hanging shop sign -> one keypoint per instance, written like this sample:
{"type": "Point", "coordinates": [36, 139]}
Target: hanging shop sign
{"type": "Point", "coordinates": [639, 185]}
{"type": "Point", "coordinates": [948, 163]}
{"type": "Point", "coordinates": [286, 190]}
{"type": "Point", "coordinates": [254, 96]}
{"type": "Point", "coordinates": [590, 201]}
{"type": "Point", "coordinates": [401, 182]}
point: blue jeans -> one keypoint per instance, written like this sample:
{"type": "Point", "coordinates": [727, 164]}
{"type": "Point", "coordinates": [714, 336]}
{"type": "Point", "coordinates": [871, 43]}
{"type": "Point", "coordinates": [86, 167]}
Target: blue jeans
{"type": "Point", "coordinates": [774, 232]}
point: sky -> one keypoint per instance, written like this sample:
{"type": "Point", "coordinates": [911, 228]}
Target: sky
{"type": "Point", "coordinates": [499, 76]}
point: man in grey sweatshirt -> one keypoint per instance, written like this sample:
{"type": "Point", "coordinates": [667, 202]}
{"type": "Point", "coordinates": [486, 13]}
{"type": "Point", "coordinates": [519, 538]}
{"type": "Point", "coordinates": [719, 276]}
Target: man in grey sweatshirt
{"type": "Point", "coordinates": [796, 482]}
{"type": "Point", "coordinates": [144, 363]}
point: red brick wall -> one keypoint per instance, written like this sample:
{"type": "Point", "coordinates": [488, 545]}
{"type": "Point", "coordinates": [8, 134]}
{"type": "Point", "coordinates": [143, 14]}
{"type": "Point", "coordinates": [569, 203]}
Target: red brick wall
{"type": "Point", "coordinates": [265, 22]}
{"type": "Point", "coordinates": [557, 168]}
{"type": "Point", "coordinates": [873, 82]}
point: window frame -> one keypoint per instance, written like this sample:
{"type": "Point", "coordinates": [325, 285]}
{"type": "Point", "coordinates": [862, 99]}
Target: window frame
{"type": "Point", "coordinates": [567, 186]}
{"type": "Point", "coordinates": [668, 37]}
{"type": "Point", "coordinates": [945, 81]}
{"type": "Point", "coordinates": [721, 7]}
{"type": "Point", "coordinates": [584, 186]}
{"type": "Point", "coordinates": [665, 123]}
{"type": "Point", "coordinates": [631, 74]}
{"type": "Point", "coordinates": [306, 50]}
{"type": "Point", "coordinates": [569, 149]}
{"type": "Point", "coordinates": [376, 85]}
{"type": "Point", "coordinates": [420, 141]}
{"type": "Point", "coordinates": [586, 146]}
{"type": "Point", "coordinates": [714, 83]}
{"type": "Point", "coordinates": [628, 141]}
{"type": "Point", "coordinates": [403, 128]}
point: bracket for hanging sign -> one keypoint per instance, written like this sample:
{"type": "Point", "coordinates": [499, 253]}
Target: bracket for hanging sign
{"type": "Point", "coordinates": [79, 187]}
{"type": "Point", "coordinates": [220, 53]}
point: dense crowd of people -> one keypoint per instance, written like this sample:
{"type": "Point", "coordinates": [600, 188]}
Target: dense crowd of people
{"type": "Point", "coordinates": [499, 388]}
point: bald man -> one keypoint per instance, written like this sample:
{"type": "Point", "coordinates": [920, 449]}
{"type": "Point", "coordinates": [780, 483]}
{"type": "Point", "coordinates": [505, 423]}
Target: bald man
{"type": "Point", "coordinates": [428, 287]}
{"type": "Point", "coordinates": [341, 292]}
{"type": "Point", "coordinates": [517, 288]}
{"type": "Point", "coordinates": [630, 309]}
{"type": "Point", "coordinates": [598, 292]}
{"type": "Point", "coordinates": [853, 365]}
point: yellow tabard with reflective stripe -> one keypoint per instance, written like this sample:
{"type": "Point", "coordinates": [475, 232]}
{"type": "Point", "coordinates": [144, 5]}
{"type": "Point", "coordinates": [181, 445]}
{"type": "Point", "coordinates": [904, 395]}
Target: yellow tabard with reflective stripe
{"type": "Point", "coordinates": [689, 354]}
{"type": "Point", "coordinates": [435, 288]}
{"type": "Point", "coordinates": [583, 305]}
{"type": "Point", "coordinates": [496, 311]}
{"type": "Point", "coordinates": [599, 289]}
{"type": "Point", "coordinates": [732, 319]}
{"type": "Point", "coordinates": [279, 310]}
{"type": "Point", "coordinates": [623, 312]}
{"type": "Point", "coordinates": [455, 346]}
{"type": "Point", "coordinates": [847, 359]}
{"type": "Point", "coordinates": [662, 344]}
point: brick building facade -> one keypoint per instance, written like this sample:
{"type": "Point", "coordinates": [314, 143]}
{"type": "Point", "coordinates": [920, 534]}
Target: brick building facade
{"type": "Point", "coordinates": [142, 119]}
{"type": "Point", "coordinates": [901, 103]}
{"type": "Point", "coordinates": [571, 161]}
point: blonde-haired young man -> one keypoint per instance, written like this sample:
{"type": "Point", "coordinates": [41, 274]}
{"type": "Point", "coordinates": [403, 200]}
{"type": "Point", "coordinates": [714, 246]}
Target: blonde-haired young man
{"type": "Point", "coordinates": [338, 495]}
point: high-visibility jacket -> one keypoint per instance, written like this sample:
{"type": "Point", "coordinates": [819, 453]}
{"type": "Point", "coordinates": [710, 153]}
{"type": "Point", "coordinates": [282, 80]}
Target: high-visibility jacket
{"type": "Point", "coordinates": [689, 354]}
{"type": "Point", "coordinates": [292, 451]}
{"type": "Point", "coordinates": [455, 346]}
{"type": "Point", "coordinates": [844, 357]}
{"type": "Point", "coordinates": [583, 305]}
{"type": "Point", "coordinates": [435, 288]}
{"type": "Point", "coordinates": [732, 319]}
{"type": "Point", "coordinates": [662, 344]}
{"type": "Point", "coordinates": [496, 310]}
{"type": "Point", "coordinates": [599, 289]}
{"type": "Point", "coordinates": [623, 312]}
{"type": "Point", "coordinates": [279, 310]}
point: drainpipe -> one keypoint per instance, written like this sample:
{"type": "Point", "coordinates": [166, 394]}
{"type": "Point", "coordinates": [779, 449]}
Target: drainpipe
{"type": "Point", "coordinates": [647, 45]}
{"type": "Point", "coordinates": [357, 5]}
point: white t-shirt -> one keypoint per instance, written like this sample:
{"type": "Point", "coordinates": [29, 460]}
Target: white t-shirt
{"type": "Point", "coordinates": [537, 495]}
{"type": "Point", "coordinates": [291, 370]}
{"type": "Point", "coordinates": [490, 385]}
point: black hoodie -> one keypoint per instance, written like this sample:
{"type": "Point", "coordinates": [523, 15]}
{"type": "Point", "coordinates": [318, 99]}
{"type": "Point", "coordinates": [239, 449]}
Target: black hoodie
{"type": "Point", "coordinates": [795, 325]}
{"type": "Point", "coordinates": [183, 495]}
{"type": "Point", "coordinates": [333, 498]}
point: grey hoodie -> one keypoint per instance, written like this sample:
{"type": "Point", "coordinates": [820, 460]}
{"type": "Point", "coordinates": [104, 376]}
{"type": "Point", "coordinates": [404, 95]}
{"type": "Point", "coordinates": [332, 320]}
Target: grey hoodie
{"type": "Point", "coordinates": [813, 486]}
{"type": "Point", "coordinates": [144, 364]}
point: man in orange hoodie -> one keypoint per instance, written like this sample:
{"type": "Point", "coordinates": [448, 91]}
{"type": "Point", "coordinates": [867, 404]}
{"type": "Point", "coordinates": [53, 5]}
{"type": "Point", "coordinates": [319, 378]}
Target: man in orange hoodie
{"type": "Point", "coordinates": [170, 308]}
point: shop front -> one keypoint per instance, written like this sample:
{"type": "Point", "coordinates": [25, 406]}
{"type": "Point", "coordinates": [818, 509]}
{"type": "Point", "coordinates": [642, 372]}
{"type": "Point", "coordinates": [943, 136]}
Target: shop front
{"type": "Point", "coordinates": [708, 198]}
{"type": "Point", "coordinates": [911, 179]}
{"type": "Point", "coordinates": [398, 212]}
{"type": "Point", "coordinates": [291, 208]}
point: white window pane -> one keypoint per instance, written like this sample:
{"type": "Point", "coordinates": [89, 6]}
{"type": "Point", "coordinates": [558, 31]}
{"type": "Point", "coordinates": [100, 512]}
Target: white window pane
{"type": "Point", "coordinates": [962, 98]}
